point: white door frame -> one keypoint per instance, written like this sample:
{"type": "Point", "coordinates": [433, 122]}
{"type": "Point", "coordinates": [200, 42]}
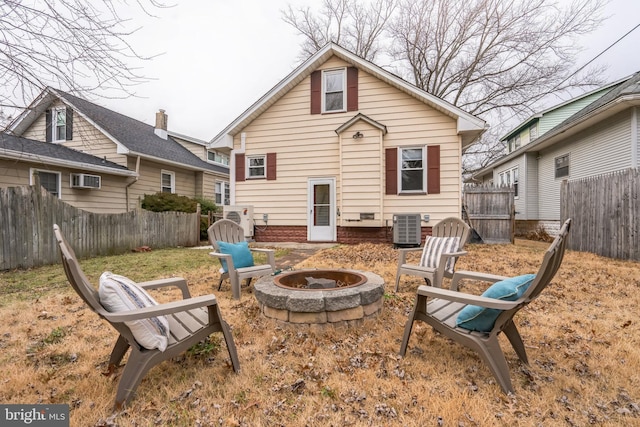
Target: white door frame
{"type": "Point", "coordinates": [324, 233]}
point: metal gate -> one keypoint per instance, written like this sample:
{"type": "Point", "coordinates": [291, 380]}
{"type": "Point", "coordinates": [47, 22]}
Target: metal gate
{"type": "Point", "coordinates": [490, 211]}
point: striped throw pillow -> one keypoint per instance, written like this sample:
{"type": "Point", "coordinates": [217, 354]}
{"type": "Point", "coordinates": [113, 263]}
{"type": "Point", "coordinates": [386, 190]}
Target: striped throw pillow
{"type": "Point", "coordinates": [118, 293]}
{"type": "Point", "coordinates": [434, 247]}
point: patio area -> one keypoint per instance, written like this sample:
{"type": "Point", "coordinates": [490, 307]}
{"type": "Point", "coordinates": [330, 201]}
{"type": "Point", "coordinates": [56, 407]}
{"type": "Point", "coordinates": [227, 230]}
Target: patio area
{"type": "Point", "coordinates": [581, 335]}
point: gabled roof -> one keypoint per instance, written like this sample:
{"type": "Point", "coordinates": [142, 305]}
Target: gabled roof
{"type": "Point", "coordinates": [364, 118]}
{"type": "Point", "coordinates": [132, 137]}
{"type": "Point", "coordinates": [470, 127]}
{"type": "Point", "coordinates": [619, 98]}
{"type": "Point", "coordinates": [17, 148]}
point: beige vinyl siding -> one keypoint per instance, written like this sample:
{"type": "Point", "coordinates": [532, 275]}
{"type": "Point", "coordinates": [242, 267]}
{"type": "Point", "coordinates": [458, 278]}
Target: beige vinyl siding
{"type": "Point", "coordinates": [198, 150]}
{"type": "Point", "coordinates": [110, 198]}
{"type": "Point", "coordinates": [86, 138]}
{"type": "Point", "coordinates": [601, 149]}
{"type": "Point", "coordinates": [13, 174]}
{"type": "Point", "coordinates": [361, 176]}
{"type": "Point", "coordinates": [308, 147]}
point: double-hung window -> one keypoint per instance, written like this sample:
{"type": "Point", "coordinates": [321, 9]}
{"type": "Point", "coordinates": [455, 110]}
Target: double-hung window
{"type": "Point", "coordinates": [257, 166]}
{"type": "Point", "coordinates": [510, 178]}
{"type": "Point", "coordinates": [168, 182]}
{"type": "Point", "coordinates": [222, 193]}
{"type": "Point", "coordinates": [59, 124]}
{"type": "Point", "coordinates": [214, 156]}
{"type": "Point", "coordinates": [562, 166]}
{"type": "Point", "coordinates": [412, 170]}
{"type": "Point", "coordinates": [333, 90]}
{"type": "Point", "coordinates": [49, 180]}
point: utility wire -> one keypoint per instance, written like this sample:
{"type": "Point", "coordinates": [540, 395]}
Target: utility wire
{"type": "Point", "coordinates": [582, 67]}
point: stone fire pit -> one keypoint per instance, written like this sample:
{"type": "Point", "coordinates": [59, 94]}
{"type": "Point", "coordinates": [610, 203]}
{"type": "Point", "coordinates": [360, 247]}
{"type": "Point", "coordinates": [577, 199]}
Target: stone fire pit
{"type": "Point", "coordinates": [321, 297]}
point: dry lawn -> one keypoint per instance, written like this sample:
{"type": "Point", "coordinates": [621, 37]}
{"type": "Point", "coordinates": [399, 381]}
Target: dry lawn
{"type": "Point", "coordinates": [582, 337]}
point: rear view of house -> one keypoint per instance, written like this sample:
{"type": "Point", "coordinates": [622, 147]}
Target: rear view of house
{"type": "Point", "coordinates": [341, 147]}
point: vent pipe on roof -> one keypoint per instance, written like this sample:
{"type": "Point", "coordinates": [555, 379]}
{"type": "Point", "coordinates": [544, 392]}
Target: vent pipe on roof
{"type": "Point", "coordinates": [161, 124]}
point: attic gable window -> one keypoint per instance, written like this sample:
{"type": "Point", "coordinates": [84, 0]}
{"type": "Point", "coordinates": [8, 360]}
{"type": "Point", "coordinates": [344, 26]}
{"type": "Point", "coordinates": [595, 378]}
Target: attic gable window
{"type": "Point", "coordinates": [333, 93]}
{"type": "Point", "coordinates": [59, 124]}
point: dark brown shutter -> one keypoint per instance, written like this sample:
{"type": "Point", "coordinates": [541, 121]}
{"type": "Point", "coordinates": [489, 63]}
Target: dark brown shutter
{"type": "Point", "coordinates": [69, 122]}
{"type": "Point", "coordinates": [316, 92]}
{"type": "Point", "coordinates": [49, 126]}
{"type": "Point", "coordinates": [271, 166]}
{"type": "Point", "coordinates": [391, 171]}
{"type": "Point", "coordinates": [239, 167]}
{"type": "Point", "coordinates": [433, 169]}
{"type": "Point", "coordinates": [352, 89]}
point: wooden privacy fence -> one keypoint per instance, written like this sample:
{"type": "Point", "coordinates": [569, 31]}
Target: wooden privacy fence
{"type": "Point", "coordinates": [491, 212]}
{"type": "Point", "coordinates": [27, 215]}
{"type": "Point", "coordinates": [605, 213]}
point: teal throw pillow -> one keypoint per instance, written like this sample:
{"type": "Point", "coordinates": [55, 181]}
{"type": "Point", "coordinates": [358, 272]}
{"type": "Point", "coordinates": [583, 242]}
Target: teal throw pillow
{"type": "Point", "coordinates": [475, 318]}
{"type": "Point", "coordinates": [240, 254]}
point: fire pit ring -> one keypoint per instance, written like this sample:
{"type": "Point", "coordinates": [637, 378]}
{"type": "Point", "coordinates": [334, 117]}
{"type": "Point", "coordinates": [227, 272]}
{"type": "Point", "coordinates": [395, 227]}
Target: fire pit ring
{"type": "Point", "coordinates": [344, 305]}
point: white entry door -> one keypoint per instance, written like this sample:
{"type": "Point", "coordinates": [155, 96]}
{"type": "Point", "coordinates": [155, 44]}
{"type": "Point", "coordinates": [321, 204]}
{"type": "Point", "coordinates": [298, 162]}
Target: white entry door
{"type": "Point", "coordinates": [321, 224]}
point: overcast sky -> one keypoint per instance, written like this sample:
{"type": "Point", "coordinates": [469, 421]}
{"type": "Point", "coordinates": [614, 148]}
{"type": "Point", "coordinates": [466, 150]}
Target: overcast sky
{"type": "Point", "coordinates": [219, 57]}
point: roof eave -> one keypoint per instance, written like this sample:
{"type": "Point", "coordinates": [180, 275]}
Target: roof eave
{"type": "Point", "coordinates": [21, 155]}
{"type": "Point", "coordinates": [467, 120]}
{"type": "Point", "coordinates": [603, 112]}
{"type": "Point", "coordinates": [173, 163]}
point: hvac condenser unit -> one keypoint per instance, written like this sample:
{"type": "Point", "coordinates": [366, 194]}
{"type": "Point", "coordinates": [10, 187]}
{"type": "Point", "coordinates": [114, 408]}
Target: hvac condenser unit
{"type": "Point", "coordinates": [406, 230]}
{"type": "Point", "coordinates": [242, 215]}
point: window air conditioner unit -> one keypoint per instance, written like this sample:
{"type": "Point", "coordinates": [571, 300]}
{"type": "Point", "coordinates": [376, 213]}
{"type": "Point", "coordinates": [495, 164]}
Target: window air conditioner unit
{"type": "Point", "coordinates": [407, 230]}
{"type": "Point", "coordinates": [242, 215]}
{"type": "Point", "coordinates": [83, 180]}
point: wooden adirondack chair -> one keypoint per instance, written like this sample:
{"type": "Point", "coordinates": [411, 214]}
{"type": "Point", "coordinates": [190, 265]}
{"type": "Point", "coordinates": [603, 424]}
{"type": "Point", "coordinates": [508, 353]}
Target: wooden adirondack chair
{"type": "Point", "coordinates": [440, 308]}
{"type": "Point", "coordinates": [228, 231]}
{"type": "Point", "coordinates": [448, 227]}
{"type": "Point", "coordinates": [191, 320]}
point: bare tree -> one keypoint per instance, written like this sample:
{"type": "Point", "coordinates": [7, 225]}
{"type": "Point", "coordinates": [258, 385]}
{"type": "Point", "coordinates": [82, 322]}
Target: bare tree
{"type": "Point", "coordinates": [356, 26]}
{"type": "Point", "coordinates": [491, 58]}
{"type": "Point", "coordinates": [74, 45]}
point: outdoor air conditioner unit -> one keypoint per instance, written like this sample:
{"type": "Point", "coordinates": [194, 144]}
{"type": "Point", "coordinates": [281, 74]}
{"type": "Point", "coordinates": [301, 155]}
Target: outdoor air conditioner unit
{"type": "Point", "coordinates": [407, 230]}
{"type": "Point", "coordinates": [83, 180]}
{"type": "Point", "coordinates": [242, 215]}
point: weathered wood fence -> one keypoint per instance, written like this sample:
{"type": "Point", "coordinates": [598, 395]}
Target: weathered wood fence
{"type": "Point", "coordinates": [605, 213]}
{"type": "Point", "coordinates": [491, 212]}
{"type": "Point", "coordinates": [27, 215]}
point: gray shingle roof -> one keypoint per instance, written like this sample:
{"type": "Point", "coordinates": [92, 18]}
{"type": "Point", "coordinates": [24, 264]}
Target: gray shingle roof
{"type": "Point", "coordinates": [137, 136]}
{"type": "Point", "coordinates": [46, 150]}
{"type": "Point", "coordinates": [630, 87]}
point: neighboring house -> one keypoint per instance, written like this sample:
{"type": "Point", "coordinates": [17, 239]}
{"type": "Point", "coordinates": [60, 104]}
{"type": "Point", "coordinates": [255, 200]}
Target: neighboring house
{"type": "Point", "coordinates": [139, 159]}
{"type": "Point", "coordinates": [339, 146]}
{"type": "Point", "coordinates": [219, 157]}
{"type": "Point", "coordinates": [592, 134]}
